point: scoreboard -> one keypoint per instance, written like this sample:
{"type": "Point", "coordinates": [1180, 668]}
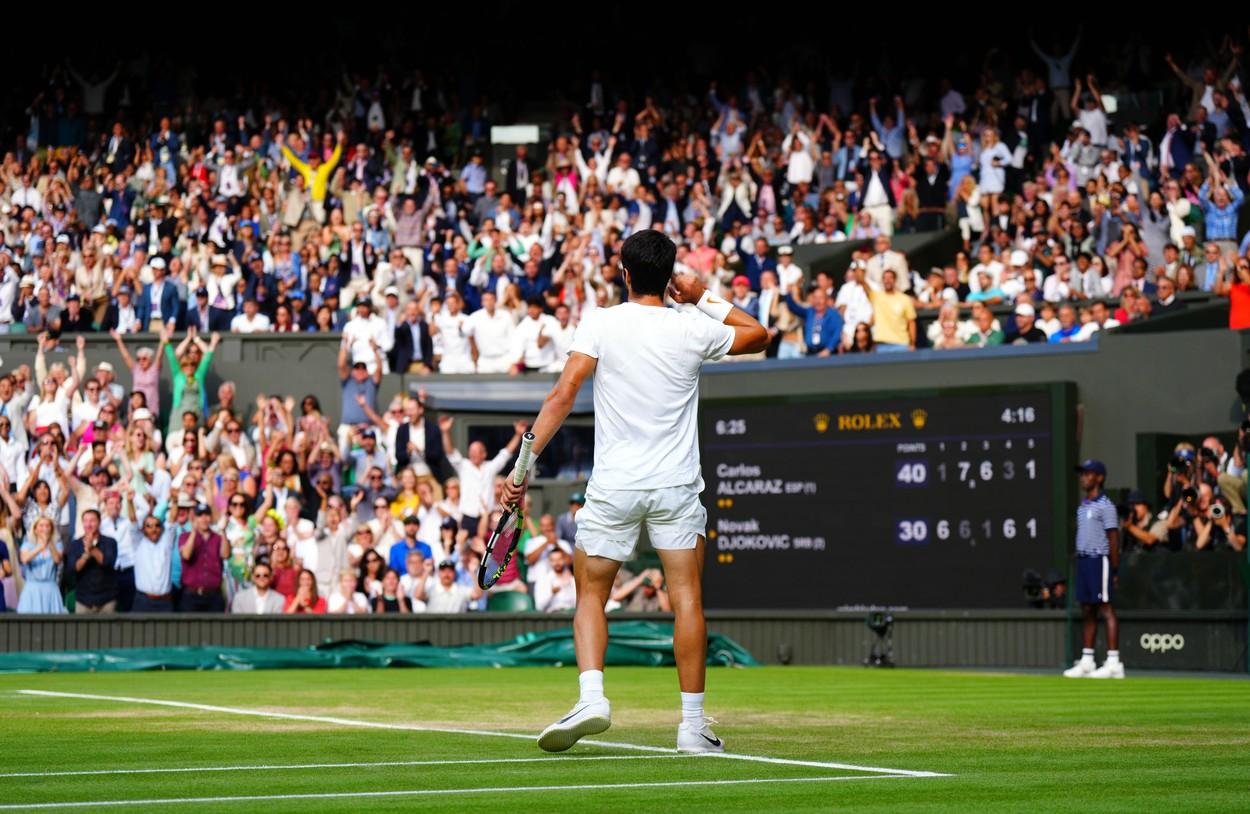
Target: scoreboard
{"type": "Point", "coordinates": [932, 499]}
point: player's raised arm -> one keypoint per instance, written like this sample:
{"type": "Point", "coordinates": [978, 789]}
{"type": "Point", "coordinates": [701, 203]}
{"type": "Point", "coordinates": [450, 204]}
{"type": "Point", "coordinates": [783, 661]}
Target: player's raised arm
{"type": "Point", "coordinates": [749, 335]}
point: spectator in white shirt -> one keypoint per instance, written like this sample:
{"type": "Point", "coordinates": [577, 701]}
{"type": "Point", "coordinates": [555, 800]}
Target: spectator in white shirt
{"type": "Point", "coordinates": [538, 547]}
{"type": "Point", "coordinates": [490, 330]}
{"type": "Point", "coordinates": [363, 327]}
{"type": "Point", "coordinates": [449, 330]}
{"type": "Point", "coordinates": [251, 320]}
{"type": "Point", "coordinates": [556, 591]}
{"type": "Point", "coordinates": [561, 338]}
{"type": "Point", "coordinates": [535, 337]}
{"type": "Point", "coordinates": [446, 596]}
{"type": "Point", "coordinates": [476, 474]}
{"type": "Point", "coordinates": [347, 599]}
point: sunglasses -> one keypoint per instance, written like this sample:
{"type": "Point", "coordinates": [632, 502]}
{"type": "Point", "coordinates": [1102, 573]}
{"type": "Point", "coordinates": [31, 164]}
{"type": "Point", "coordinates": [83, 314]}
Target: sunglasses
{"type": "Point", "coordinates": [234, 429]}
{"type": "Point", "coordinates": [237, 504]}
{"type": "Point", "coordinates": [260, 575]}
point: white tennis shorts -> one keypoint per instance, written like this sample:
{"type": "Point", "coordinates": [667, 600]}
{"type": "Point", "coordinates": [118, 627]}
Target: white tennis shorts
{"type": "Point", "coordinates": [609, 523]}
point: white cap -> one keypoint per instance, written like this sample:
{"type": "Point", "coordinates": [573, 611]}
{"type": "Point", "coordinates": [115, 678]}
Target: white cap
{"type": "Point", "coordinates": [27, 281]}
{"type": "Point", "coordinates": [785, 250]}
{"type": "Point", "coordinates": [304, 528]}
{"type": "Point", "coordinates": [157, 263]}
{"type": "Point", "coordinates": [391, 291]}
{"type": "Point", "coordinates": [1189, 231]}
{"type": "Point", "coordinates": [142, 414]}
{"type": "Point", "coordinates": [220, 260]}
{"type": "Point", "coordinates": [98, 229]}
{"type": "Point", "coordinates": [62, 239]}
{"type": "Point", "coordinates": [1019, 258]}
{"type": "Point", "coordinates": [107, 368]}
{"type": "Point", "coordinates": [1025, 310]}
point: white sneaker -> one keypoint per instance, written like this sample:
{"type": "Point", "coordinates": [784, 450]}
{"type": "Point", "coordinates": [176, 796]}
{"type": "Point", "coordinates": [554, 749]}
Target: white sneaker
{"type": "Point", "coordinates": [1083, 668]}
{"type": "Point", "coordinates": [1109, 669]}
{"type": "Point", "coordinates": [589, 718]}
{"type": "Point", "coordinates": [698, 738]}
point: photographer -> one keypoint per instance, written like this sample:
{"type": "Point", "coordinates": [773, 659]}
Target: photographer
{"type": "Point", "coordinates": [1189, 518]}
{"type": "Point", "coordinates": [1141, 528]}
{"type": "Point", "coordinates": [1181, 473]}
{"type": "Point", "coordinates": [1219, 529]}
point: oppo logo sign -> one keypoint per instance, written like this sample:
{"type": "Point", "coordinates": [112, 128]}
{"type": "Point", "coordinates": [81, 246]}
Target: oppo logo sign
{"type": "Point", "coordinates": [1162, 642]}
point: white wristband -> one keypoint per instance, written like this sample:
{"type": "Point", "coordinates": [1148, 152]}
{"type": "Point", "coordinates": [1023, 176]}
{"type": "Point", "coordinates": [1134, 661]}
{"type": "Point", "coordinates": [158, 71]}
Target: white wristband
{"type": "Point", "coordinates": [714, 307]}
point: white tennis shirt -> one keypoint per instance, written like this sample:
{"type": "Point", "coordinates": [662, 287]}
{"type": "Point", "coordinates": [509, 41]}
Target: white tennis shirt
{"type": "Point", "coordinates": [647, 391]}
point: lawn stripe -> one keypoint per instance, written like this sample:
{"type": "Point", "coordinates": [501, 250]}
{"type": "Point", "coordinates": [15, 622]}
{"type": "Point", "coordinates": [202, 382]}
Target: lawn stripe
{"type": "Point", "coordinates": [339, 795]}
{"type": "Point", "coordinates": [372, 764]}
{"type": "Point", "coordinates": [289, 716]}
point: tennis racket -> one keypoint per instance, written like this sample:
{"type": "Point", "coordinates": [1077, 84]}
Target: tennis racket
{"type": "Point", "coordinates": [502, 543]}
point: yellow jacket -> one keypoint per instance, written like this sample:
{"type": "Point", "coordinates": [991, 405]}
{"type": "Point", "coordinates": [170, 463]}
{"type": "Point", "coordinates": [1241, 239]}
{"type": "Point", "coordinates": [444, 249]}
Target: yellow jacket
{"type": "Point", "coordinates": [316, 180]}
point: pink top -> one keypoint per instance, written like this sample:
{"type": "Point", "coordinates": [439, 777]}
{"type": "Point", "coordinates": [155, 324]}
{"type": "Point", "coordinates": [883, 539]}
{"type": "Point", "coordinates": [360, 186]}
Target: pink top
{"type": "Point", "coordinates": [145, 381]}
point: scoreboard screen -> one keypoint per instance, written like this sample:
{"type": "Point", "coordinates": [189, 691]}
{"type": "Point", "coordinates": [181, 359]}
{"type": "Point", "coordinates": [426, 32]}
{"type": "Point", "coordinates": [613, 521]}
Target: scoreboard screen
{"type": "Point", "coordinates": [938, 499]}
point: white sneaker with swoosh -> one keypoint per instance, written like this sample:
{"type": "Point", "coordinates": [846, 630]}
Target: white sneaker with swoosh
{"type": "Point", "coordinates": [588, 718]}
{"type": "Point", "coordinates": [696, 738]}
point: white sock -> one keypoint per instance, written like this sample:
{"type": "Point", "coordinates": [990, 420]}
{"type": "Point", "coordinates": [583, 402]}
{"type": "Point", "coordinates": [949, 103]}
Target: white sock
{"type": "Point", "coordinates": [1087, 654]}
{"type": "Point", "coordinates": [591, 682]}
{"type": "Point", "coordinates": [692, 708]}
{"type": "Point", "coordinates": [1113, 656]}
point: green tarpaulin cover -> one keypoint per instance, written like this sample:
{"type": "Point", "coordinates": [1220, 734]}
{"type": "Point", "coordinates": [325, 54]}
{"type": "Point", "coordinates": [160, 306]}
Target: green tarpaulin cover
{"type": "Point", "coordinates": [629, 643]}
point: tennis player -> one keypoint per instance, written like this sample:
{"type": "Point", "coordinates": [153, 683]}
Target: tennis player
{"type": "Point", "coordinates": [645, 360]}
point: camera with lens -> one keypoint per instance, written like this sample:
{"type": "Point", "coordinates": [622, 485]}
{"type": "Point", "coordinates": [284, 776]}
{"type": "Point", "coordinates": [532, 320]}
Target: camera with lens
{"type": "Point", "coordinates": [1178, 463]}
{"type": "Point", "coordinates": [1207, 454]}
{"type": "Point", "coordinates": [1218, 511]}
{"type": "Point", "coordinates": [1189, 495]}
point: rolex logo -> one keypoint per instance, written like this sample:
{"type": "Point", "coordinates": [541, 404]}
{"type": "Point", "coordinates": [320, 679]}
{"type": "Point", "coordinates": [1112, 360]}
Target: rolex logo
{"type": "Point", "coordinates": [918, 418]}
{"type": "Point", "coordinates": [821, 420]}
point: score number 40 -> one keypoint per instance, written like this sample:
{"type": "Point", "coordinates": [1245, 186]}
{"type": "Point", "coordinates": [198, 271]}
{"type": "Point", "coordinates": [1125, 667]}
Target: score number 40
{"type": "Point", "coordinates": [916, 473]}
{"type": "Point", "coordinates": [917, 531]}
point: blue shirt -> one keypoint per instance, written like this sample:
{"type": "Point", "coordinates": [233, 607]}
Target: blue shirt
{"type": "Point", "coordinates": [474, 177]}
{"type": "Point", "coordinates": [1064, 333]}
{"type": "Point", "coordinates": [822, 332]}
{"type": "Point", "coordinates": [400, 551]}
{"type": "Point", "coordinates": [1220, 222]}
{"type": "Point", "coordinates": [1094, 518]}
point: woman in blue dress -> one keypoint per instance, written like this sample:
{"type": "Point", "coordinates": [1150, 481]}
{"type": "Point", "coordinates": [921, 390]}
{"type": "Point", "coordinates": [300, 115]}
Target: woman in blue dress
{"type": "Point", "coordinates": [41, 556]}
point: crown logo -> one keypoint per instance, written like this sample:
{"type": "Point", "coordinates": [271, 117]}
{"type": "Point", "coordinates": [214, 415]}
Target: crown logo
{"type": "Point", "coordinates": [918, 418]}
{"type": "Point", "coordinates": [821, 420]}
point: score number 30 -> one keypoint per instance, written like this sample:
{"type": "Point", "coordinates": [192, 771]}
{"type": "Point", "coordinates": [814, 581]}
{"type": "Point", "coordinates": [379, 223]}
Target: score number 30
{"type": "Point", "coordinates": [917, 531]}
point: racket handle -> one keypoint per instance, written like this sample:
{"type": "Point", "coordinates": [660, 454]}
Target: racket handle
{"type": "Point", "coordinates": [523, 459]}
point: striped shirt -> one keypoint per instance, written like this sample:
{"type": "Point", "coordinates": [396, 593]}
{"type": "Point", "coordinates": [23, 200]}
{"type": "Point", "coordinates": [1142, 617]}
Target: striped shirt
{"type": "Point", "coordinates": [1094, 518]}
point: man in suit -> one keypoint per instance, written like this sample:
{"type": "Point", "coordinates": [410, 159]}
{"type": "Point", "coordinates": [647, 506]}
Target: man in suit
{"type": "Point", "coordinates": [418, 439]}
{"type": "Point", "coordinates": [119, 151]}
{"type": "Point", "coordinates": [197, 311]}
{"type": "Point", "coordinates": [876, 197]}
{"type": "Point", "coordinates": [413, 351]}
{"type": "Point", "coordinates": [517, 175]}
{"type": "Point", "coordinates": [357, 262]}
{"type": "Point", "coordinates": [121, 315]}
{"type": "Point", "coordinates": [159, 299]}
{"type": "Point", "coordinates": [156, 225]}
{"type": "Point", "coordinates": [259, 598]}
{"type": "Point", "coordinates": [758, 262]}
{"type": "Point", "coordinates": [932, 184]}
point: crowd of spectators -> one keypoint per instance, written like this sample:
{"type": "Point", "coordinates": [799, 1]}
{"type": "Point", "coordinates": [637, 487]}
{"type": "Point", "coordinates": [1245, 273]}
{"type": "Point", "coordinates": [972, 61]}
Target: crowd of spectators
{"type": "Point", "coordinates": [384, 216]}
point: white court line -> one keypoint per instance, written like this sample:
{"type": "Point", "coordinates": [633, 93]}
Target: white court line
{"type": "Point", "coordinates": [339, 795]}
{"type": "Point", "coordinates": [371, 764]}
{"type": "Point", "coordinates": [288, 716]}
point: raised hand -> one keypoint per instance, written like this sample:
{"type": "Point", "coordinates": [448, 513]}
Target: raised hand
{"type": "Point", "coordinates": [445, 423]}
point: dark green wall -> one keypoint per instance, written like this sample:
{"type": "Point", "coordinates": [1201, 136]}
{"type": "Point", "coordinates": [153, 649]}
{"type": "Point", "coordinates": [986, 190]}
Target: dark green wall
{"type": "Point", "coordinates": [1178, 383]}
